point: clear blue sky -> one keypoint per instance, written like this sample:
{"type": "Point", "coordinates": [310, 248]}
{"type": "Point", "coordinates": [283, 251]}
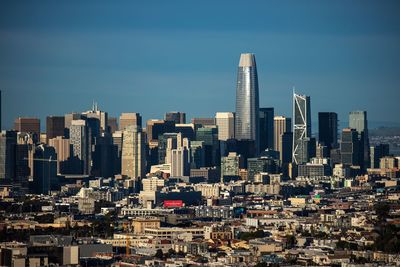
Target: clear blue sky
{"type": "Point", "coordinates": [157, 56]}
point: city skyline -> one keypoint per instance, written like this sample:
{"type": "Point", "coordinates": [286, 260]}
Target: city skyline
{"type": "Point", "coordinates": [148, 134]}
{"type": "Point", "coordinates": [125, 60]}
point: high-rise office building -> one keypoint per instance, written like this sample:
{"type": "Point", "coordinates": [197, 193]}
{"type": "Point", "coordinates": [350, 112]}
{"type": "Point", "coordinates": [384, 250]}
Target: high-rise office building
{"type": "Point", "coordinates": [349, 147]}
{"type": "Point", "coordinates": [117, 141]}
{"type": "Point", "coordinates": [230, 166]}
{"type": "Point", "coordinates": [180, 157]}
{"type": "Point", "coordinates": [104, 156]}
{"type": "Point", "coordinates": [266, 124]}
{"type": "Point", "coordinates": [158, 127]}
{"type": "Point", "coordinates": [8, 141]}
{"type": "Point", "coordinates": [197, 154]}
{"type": "Point", "coordinates": [45, 169]}
{"type": "Point", "coordinates": [376, 153]}
{"type": "Point", "coordinates": [54, 127]}
{"type": "Point", "coordinates": [285, 147]}
{"type": "Point", "coordinates": [247, 100]}
{"type": "Point", "coordinates": [133, 153]}
{"type": "Point", "coordinates": [81, 147]}
{"type": "Point", "coordinates": [63, 149]}
{"type": "Point", "coordinates": [327, 130]}
{"type": "Point", "coordinates": [281, 126]}
{"type": "Point", "coordinates": [28, 125]}
{"type": "Point", "coordinates": [201, 122]}
{"type": "Point", "coordinates": [68, 118]}
{"type": "Point", "coordinates": [22, 170]}
{"type": "Point", "coordinates": [176, 116]}
{"type": "Point", "coordinates": [226, 125]}
{"type": "Point", "coordinates": [102, 116]}
{"type": "Point", "coordinates": [209, 135]}
{"type": "Point", "coordinates": [112, 124]}
{"type": "Point", "coordinates": [26, 140]}
{"type": "Point", "coordinates": [358, 121]}
{"type": "Point", "coordinates": [166, 142]}
{"type": "Point", "coordinates": [301, 126]}
{"type": "Point", "coordinates": [130, 119]}
{"type": "Point", "coordinates": [257, 165]}
{"type": "Point", "coordinates": [186, 129]}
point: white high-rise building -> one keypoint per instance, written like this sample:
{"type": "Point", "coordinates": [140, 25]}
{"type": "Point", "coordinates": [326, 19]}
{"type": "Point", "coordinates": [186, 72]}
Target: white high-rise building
{"type": "Point", "coordinates": [133, 153]}
{"type": "Point", "coordinates": [226, 125]}
{"type": "Point", "coordinates": [301, 127]}
{"type": "Point", "coordinates": [80, 141]}
{"type": "Point", "coordinates": [180, 157]}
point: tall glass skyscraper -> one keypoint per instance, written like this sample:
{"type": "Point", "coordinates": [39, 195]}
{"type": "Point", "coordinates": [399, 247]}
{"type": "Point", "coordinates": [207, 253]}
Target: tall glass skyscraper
{"type": "Point", "coordinates": [327, 129]}
{"type": "Point", "coordinates": [358, 121]}
{"type": "Point", "coordinates": [247, 102]}
{"type": "Point", "coordinates": [301, 127]}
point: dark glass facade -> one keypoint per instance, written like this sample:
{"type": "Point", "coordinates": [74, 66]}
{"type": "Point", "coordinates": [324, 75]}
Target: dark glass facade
{"type": "Point", "coordinates": [327, 129]}
{"type": "Point", "coordinates": [266, 122]}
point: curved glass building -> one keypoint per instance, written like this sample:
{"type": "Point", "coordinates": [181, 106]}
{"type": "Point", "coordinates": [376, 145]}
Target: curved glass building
{"type": "Point", "coordinates": [247, 102]}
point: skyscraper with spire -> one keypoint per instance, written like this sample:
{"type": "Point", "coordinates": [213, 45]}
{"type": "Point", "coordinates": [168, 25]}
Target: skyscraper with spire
{"type": "Point", "coordinates": [301, 128]}
{"type": "Point", "coordinates": [247, 100]}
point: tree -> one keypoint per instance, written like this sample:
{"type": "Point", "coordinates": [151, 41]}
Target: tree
{"type": "Point", "coordinates": [159, 254]}
{"type": "Point", "coordinates": [382, 210]}
{"type": "Point", "coordinates": [290, 241]}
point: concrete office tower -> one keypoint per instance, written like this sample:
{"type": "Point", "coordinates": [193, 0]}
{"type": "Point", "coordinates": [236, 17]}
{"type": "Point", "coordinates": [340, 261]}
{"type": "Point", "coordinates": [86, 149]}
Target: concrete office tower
{"type": "Point", "coordinates": [201, 122]}
{"type": "Point", "coordinates": [176, 116]}
{"type": "Point", "coordinates": [197, 154]}
{"type": "Point", "coordinates": [266, 124]}
{"type": "Point", "coordinates": [133, 153]}
{"type": "Point", "coordinates": [209, 135]}
{"type": "Point", "coordinates": [247, 102]}
{"type": "Point", "coordinates": [166, 142]}
{"type": "Point", "coordinates": [376, 153]}
{"type": "Point", "coordinates": [281, 126]}
{"type": "Point", "coordinates": [180, 157]}
{"type": "Point", "coordinates": [117, 141]}
{"type": "Point", "coordinates": [112, 124]}
{"type": "Point", "coordinates": [8, 141]}
{"type": "Point", "coordinates": [28, 125]}
{"type": "Point", "coordinates": [187, 130]}
{"type": "Point", "coordinates": [80, 141]}
{"type": "Point", "coordinates": [130, 119]}
{"type": "Point", "coordinates": [45, 169]}
{"type": "Point", "coordinates": [327, 130]}
{"type": "Point", "coordinates": [230, 166]}
{"type": "Point", "coordinates": [158, 127]}
{"type": "Point", "coordinates": [349, 147]}
{"type": "Point", "coordinates": [22, 170]}
{"type": "Point", "coordinates": [26, 140]}
{"type": "Point", "coordinates": [226, 125]}
{"type": "Point", "coordinates": [54, 127]}
{"type": "Point", "coordinates": [358, 121]}
{"type": "Point", "coordinates": [68, 118]}
{"type": "Point", "coordinates": [102, 116]}
{"type": "Point", "coordinates": [301, 126]}
{"type": "Point", "coordinates": [62, 147]}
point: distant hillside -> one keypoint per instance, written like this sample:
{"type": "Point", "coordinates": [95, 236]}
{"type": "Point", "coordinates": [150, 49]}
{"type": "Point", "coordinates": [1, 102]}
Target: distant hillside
{"type": "Point", "coordinates": [385, 131]}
